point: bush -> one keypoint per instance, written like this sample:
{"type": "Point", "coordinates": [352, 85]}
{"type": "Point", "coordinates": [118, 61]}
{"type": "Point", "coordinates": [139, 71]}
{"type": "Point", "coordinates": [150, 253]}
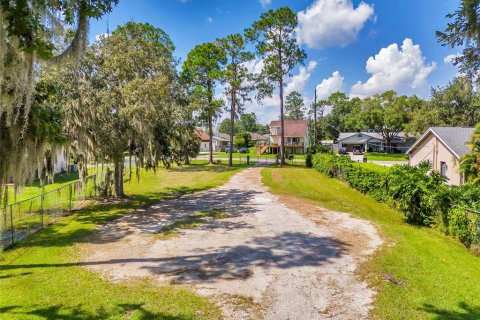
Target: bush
{"type": "Point", "coordinates": [330, 164]}
{"type": "Point", "coordinates": [367, 181]}
{"type": "Point", "coordinates": [462, 226]}
{"type": "Point", "coordinates": [308, 160]}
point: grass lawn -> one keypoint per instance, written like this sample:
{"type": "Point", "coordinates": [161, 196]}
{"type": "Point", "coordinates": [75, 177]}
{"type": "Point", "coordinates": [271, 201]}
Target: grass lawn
{"type": "Point", "coordinates": [375, 156]}
{"type": "Point", "coordinates": [419, 273]}
{"type": "Point", "coordinates": [34, 189]}
{"type": "Point", "coordinates": [39, 278]}
{"type": "Point", "coordinates": [374, 167]}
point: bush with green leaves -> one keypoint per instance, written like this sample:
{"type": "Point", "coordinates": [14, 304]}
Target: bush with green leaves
{"type": "Point", "coordinates": [417, 194]}
{"type": "Point", "coordinates": [463, 225]}
{"type": "Point", "coordinates": [366, 181]}
{"type": "Point", "coordinates": [330, 164]}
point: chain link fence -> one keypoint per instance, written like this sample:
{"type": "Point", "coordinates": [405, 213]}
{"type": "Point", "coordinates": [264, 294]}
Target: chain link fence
{"type": "Point", "coordinates": [26, 217]}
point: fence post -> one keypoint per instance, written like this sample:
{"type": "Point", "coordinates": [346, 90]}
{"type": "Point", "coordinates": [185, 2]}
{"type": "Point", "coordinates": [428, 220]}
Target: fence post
{"type": "Point", "coordinates": [41, 209]}
{"type": "Point", "coordinates": [70, 196]}
{"type": "Point", "coordinates": [11, 223]}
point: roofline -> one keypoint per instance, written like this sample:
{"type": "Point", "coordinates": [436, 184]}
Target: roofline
{"type": "Point", "coordinates": [438, 137]}
{"type": "Point", "coordinates": [354, 133]}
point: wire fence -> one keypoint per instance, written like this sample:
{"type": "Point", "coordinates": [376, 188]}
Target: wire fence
{"type": "Point", "coordinates": [23, 218]}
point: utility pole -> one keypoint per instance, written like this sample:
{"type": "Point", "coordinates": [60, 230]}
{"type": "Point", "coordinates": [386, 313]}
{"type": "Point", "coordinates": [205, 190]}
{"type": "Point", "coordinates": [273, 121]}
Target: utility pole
{"type": "Point", "coordinates": [315, 118]}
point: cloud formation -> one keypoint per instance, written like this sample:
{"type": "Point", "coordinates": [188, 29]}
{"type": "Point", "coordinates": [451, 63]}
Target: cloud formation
{"type": "Point", "coordinates": [392, 68]}
{"type": "Point", "coordinates": [327, 23]}
{"type": "Point", "coordinates": [451, 58]}
{"type": "Point", "coordinates": [265, 3]}
{"type": "Point", "coordinates": [330, 85]}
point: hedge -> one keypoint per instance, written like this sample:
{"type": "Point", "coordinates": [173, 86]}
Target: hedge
{"type": "Point", "coordinates": [420, 194]}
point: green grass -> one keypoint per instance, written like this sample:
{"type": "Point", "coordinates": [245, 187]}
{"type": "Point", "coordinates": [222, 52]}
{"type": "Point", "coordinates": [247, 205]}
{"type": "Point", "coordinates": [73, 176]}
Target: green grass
{"type": "Point", "coordinates": [34, 188]}
{"type": "Point", "coordinates": [374, 167]}
{"type": "Point", "coordinates": [40, 279]}
{"type": "Point", "coordinates": [376, 156]}
{"type": "Point", "coordinates": [190, 222]}
{"type": "Point", "coordinates": [419, 273]}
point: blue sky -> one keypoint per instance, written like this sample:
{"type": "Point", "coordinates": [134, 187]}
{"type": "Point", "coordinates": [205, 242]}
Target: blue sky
{"type": "Point", "coordinates": [397, 38]}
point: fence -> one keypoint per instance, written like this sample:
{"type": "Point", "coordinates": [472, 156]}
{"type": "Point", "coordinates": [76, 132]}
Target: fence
{"type": "Point", "coordinates": [26, 217]}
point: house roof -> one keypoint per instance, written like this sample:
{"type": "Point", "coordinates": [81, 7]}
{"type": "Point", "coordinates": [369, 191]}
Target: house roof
{"type": "Point", "coordinates": [224, 136]}
{"type": "Point", "coordinates": [454, 139]}
{"type": "Point", "coordinates": [374, 135]}
{"type": "Point", "coordinates": [202, 135]}
{"type": "Point", "coordinates": [257, 136]}
{"type": "Point", "coordinates": [293, 128]}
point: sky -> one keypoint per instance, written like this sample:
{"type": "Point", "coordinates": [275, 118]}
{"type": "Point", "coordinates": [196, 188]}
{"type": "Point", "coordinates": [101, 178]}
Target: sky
{"type": "Point", "coordinates": [357, 47]}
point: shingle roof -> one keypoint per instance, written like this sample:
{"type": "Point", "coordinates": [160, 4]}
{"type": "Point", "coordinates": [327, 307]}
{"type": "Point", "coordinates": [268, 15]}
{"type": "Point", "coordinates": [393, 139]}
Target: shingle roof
{"type": "Point", "coordinates": [375, 135]}
{"type": "Point", "coordinates": [256, 136]}
{"type": "Point", "coordinates": [454, 138]}
{"type": "Point", "coordinates": [293, 128]}
{"type": "Point", "coordinates": [202, 135]}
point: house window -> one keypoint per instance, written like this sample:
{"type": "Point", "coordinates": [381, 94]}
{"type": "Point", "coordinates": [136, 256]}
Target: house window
{"type": "Point", "coordinates": [296, 141]}
{"type": "Point", "coordinates": [443, 168]}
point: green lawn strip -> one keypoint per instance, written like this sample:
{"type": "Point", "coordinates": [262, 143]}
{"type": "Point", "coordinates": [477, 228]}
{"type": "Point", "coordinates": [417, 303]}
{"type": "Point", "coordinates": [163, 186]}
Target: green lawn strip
{"type": "Point", "coordinates": [375, 156]}
{"type": "Point", "coordinates": [419, 272]}
{"type": "Point", "coordinates": [34, 188]}
{"type": "Point", "coordinates": [190, 222]}
{"type": "Point", "coordinates": [374, 167]}
{"type": "Point", "coordinates": [40, 279]}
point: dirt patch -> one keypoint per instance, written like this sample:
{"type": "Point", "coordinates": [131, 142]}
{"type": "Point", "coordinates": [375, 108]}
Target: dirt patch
{"type": "Point", "coordinates": [267, 258]}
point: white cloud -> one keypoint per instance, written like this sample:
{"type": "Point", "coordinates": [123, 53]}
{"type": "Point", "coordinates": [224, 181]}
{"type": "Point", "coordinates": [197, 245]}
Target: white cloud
{"type": "Point", "coordinates": [209, 19]}
{"type": "Point", "coordinates": [101, 36]}
{"type": "Point", "coordinates": [401, 69]}
{"type": "Point", "coordinates": [265, 3]}
{"type": "Point", "coordinates": [330, 85]}
{"type": "Point", "coordinates": [254, 66]}
{"type": "Point", "coordinates": [332, 23]}
{"type": "Point", "coordinates": [451, 58]}
{"type": "Point", "coordinates": [298, 81]}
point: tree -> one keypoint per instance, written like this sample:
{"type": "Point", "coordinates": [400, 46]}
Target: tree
{"type": "Point", "coordinates": [343, 116]}
{"type": "Point", "coordinates": [28, 39]}
{"type": "Point", "coordinates": [294, 106]}
{"type": "Point", "coordinates": [385, 113]}
{"type": "Point", "coordinates": [119, 99]}
{"type": "Point", "coordinates": [470, 162]}
{"type": "Point", "coordinates": [201, 71]}
{"type": "Point", "coordinates": [275, 41]}
{"type": "Point", "coordinates": [236, 78]}
{"type": "Point", "coordinates": [455, 105]}
{"type": "Point", "coordinates": [248, 122]}
{"type": "Point", "coordinates": [464, 32]}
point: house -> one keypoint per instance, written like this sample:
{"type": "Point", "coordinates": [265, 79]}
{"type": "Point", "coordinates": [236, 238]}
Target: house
{"type": "Point", "coordinates": [296, 136]}
{"type": "Point", "coordinates": [220, 141]}
{"type": "Point", "coordinates": [258, 139]}
{"type": "Point", "coordinates": [443, 147]}
{"type": "Point", "coordinates": [366, 141]}
{"type": "Point", "coordinates": [203, 138]}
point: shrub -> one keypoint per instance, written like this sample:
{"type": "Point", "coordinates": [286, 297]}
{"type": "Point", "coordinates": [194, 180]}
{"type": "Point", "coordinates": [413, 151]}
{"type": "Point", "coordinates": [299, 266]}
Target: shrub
{"type": "Point", "coordinates": [417, 194]}
{"type": "Point", "coordinates": [308, 160]}
{"type": "Point", "coordinates": [367, 181]}
{"type": "Point", "coordinates": [462, 226]}
{"type": "Point", "coordinates": [330, 164]}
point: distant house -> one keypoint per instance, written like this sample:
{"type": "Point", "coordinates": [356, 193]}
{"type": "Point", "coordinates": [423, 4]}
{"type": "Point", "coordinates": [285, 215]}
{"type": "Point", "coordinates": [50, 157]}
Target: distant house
{"type": "Point", "coordinates": [296, 136]}
{"type": "Point", "coordinates": [443, 147]}
{"type": "Point", "coordinates": [203, 138]}
{"type": "Point", "coordinates": [220, 141]}
{"type": "Point", "coordinates": [372, 142]}
{"type": "Point", "coordinates": [258, 138]}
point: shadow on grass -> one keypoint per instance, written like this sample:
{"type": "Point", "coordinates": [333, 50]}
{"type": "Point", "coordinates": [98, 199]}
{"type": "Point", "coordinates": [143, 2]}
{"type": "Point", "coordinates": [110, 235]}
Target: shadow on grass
{"type": "Point", "coordinates": [207, 168]}
{"type": "Point", "coordinates": [77, 313]}
{"type": "Point", "coordinates": [466, 312]}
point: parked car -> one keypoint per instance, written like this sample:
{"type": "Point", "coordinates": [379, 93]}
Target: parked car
{"type": "Point", "coordinates": [357, 151]}
{"type": "Point", "coordinates": [227, 149]}
{"type": "Point", "coordinates": [244, 150]}
{"type": "Point", "coordinates": [342, 150]}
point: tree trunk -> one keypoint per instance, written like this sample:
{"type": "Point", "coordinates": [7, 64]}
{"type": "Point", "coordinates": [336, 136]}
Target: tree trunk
{"type": "Point", "coordinates": [210, 143]}
{"type": "Point", "coordinates": [232, 129]}
{"type": "Point", "coordinates": [315, 118]}
{"type": "Point", "coordinates": [118, 179]}
{"type": "Point", "coordinates": [282, 125]}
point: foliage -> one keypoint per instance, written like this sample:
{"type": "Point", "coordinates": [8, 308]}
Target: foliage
{"type": "Point", "coordinates": [276, 43]}
{"type": "Point", "coordinates": [201, 72]}
{"type": "Point", "coordinates": [464, 32]}
{"type": "Point", "coordinates": [29, 32]}
{"type": "Point", "coordinates": [119, 99]}
{"type": "Point", "coordinates": [330, 164]}
{"type": "Point", "coordinates": [309, 160]}
{"type": "Point", "coordinates": [470, 162]}
{"type": "Point", "coordinates": [343, 115]}
{"type": "Point", "coordinates": [242, 140]}
{"type": "Point", "coordinates": [236, 78]}
{"type": "Point", "coordinates": [294, 106]}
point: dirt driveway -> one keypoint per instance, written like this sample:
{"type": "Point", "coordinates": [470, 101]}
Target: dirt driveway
{"type": "Point", "coordinates": [270, 258]}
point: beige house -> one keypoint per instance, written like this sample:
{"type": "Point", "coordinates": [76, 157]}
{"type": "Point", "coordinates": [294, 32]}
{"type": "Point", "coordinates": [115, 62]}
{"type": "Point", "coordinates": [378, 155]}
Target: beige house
{"type": "Point", "coordinates": [296, 136]}
{"type": "Point", "coordinates": [203, 138]}
{"type": "Point", "coordinates": [443, 147]}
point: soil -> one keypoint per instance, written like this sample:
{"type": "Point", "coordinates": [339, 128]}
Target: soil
{"type": "Point", "coordinates": [271, 258]}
